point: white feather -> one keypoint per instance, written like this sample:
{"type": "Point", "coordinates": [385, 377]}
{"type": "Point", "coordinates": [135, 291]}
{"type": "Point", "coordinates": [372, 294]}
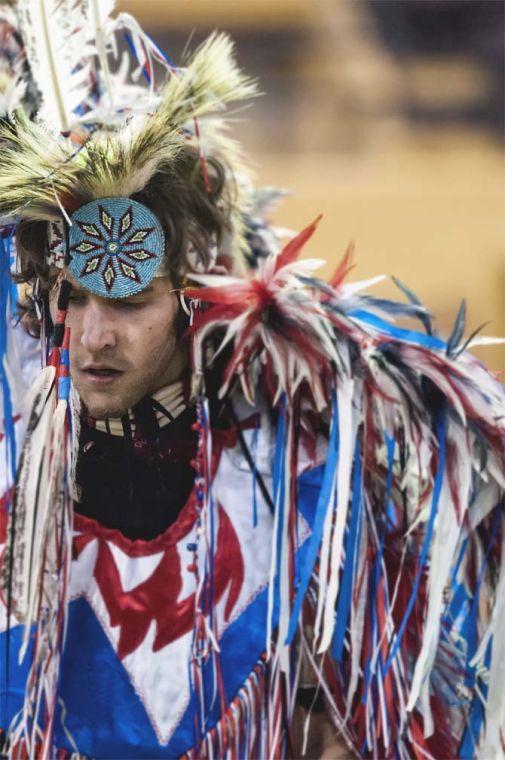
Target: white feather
{"type": "Point", "coordinates": [12, 87]}
{"type": "Point", "coordinates": [445, 541]}
{"type": "Point", "coordinates": [32, 466]}
{"type": "Point", "coordinates": [59, 46]}
{"type": "Point", "coordinates": [349, 289]}
{"type": "Point", "coordinates": [347, 431]}
{"type": "Point", "coordinates": [492, 744]}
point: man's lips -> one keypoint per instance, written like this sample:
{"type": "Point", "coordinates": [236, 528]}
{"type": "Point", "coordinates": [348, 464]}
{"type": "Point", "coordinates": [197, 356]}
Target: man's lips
{"type": "Point", "coordinates": [101, 374]}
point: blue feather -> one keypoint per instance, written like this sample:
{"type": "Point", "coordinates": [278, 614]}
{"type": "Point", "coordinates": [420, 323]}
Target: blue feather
{"type": "Point", "coordinates": [458, 330]}
{"type": "Point", "coordinates": [424, 316]}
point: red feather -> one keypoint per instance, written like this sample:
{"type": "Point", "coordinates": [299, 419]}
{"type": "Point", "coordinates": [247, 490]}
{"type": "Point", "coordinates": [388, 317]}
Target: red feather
{"type": "Point", "coordinates": [291, 251]}
{"type": "Point", "coordinates": [242, 292]}
{"type": "Point", "coordinates": [343, 268]}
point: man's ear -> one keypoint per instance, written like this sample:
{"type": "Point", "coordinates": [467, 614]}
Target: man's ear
{"type": "Point", "coordinates": [181, 322]}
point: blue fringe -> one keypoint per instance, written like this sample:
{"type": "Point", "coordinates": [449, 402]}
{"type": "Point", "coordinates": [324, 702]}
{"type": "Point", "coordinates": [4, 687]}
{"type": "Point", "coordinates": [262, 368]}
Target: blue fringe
{"type": "Point", "coordinates": [349, 571]}
{"type": "Point", "coordinates": [317, 530]}
{"type": "Point", "coordinates": [437, 488]}
{"type": "Point", "coordinates": [6, 306]}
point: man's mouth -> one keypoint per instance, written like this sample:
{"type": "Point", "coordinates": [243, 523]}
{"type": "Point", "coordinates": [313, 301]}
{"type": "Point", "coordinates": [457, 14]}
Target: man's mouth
{"type": "Point", "coordinates": [101, 374]}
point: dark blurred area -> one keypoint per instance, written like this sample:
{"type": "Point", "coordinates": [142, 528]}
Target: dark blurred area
{"type": "Point", "coordinates": [468, 31]}
{"type": "Point", "coordinates": [419, 64]}
{"type": "Point", "coordinates": [387, 116]}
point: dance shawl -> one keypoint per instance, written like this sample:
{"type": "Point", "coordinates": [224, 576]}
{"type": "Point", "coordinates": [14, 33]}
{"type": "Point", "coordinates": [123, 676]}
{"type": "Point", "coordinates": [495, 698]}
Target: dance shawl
{"type": "Point", "coordinates": [352, 525]}
{"type": "Point", "coordinates": [373, 549]}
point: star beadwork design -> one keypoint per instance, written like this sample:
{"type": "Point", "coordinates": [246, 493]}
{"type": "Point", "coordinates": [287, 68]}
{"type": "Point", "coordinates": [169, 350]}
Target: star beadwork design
{"type": "Point", "coordinates": [113, 244]}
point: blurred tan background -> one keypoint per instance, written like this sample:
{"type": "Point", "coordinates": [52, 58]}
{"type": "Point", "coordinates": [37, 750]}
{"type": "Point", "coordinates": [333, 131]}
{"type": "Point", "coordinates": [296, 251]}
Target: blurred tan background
{"type": "Point", "coordinates": [387, 117]}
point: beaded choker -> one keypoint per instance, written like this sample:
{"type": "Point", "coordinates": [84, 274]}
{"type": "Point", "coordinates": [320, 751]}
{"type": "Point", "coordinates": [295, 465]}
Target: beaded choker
{"type": "Point", "coordinates": [169, 403]}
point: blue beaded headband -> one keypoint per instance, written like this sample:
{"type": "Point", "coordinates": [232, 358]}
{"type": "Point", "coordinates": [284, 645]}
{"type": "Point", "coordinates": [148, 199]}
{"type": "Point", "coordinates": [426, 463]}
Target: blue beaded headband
{"type": "Point", "coordinates": [116, 247]}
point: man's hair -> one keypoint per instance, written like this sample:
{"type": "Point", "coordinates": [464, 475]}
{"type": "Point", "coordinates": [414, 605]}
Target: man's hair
{"type": "Point", "coordinates": [192, 209]}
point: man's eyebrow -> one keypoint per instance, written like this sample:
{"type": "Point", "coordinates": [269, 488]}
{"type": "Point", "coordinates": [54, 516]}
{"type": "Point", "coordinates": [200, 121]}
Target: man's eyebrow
{"type": "Point", "coordinates": [149, 289]}
{"type": "Point", "coordinates": [143, 292]}
{"type": "Point", "coordinates": [78, 291]}
{"type": "Point", "coordinates": [131, 298]}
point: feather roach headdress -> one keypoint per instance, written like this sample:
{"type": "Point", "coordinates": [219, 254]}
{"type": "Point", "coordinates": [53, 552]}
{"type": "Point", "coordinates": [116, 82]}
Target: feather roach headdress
{"type": "Point", "coordinates": [45, 175]}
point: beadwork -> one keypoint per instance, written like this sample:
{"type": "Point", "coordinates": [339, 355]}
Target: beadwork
{"type": "Point", "coordinates": [116, 246]}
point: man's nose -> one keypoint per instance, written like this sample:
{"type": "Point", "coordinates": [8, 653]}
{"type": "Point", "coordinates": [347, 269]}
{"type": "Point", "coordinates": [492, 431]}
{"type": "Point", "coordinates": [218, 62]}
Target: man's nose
{"type": "Point", "coordinates": [97, 329]}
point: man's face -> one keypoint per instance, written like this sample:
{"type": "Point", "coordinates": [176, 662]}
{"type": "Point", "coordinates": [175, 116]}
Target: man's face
{"type": "Point", "coordinates": [122, 349]}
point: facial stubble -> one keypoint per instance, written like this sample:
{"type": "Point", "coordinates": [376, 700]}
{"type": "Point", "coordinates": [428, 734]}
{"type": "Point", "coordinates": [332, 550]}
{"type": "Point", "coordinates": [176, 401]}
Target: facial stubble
{"type": "Point", "coordinates": [133, 385]}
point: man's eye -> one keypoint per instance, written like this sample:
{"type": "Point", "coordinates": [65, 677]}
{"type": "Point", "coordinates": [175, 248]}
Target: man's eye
{"type": "Point", "coordinates": [130, 304]}
{"type": "Point", "coordinates": [77, 299]}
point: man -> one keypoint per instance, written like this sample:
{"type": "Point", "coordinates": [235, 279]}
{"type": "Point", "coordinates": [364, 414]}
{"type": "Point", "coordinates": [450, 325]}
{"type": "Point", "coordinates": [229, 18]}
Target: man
{"type": "Point", "coordinates": [239, 496]}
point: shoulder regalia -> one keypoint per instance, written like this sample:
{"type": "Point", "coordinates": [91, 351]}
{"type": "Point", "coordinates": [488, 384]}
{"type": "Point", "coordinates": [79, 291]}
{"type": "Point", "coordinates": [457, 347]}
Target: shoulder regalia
{"type": "Point", "coordinates": [347, 521]}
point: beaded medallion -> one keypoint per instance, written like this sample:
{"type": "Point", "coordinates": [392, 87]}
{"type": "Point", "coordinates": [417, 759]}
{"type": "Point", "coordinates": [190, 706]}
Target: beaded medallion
{"type": "Point", "coordinates": [116, 246]}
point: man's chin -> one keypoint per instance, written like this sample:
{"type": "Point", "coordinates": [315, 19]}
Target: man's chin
{"type": "Point", "coordinates": [103, 413]}
{"type": "Point", "coordinates": [113, 400]}
{"type": "Point", "coordinates": [101, 408]}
